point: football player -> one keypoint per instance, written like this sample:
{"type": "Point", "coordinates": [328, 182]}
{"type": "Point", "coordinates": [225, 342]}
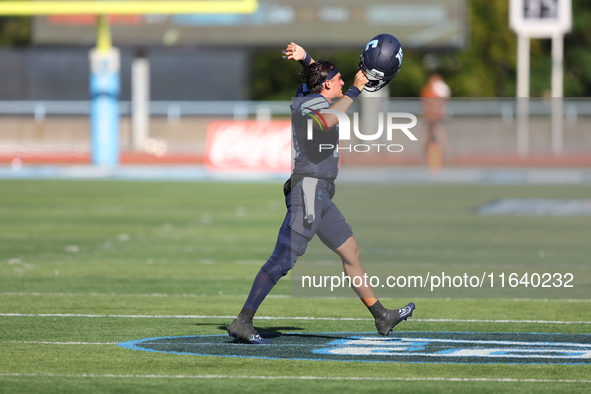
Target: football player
{"type": "Point", "coordinates": [309, 191]}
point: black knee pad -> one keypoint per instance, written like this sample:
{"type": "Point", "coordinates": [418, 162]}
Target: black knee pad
{"type": "Point", "coordinates": [280, 262]}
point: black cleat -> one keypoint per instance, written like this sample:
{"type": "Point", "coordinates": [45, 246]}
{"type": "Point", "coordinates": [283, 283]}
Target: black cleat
{"type": "Point", "coordinates": [390, 318]}
{"type": "Point", "coordinates": [244, 330]}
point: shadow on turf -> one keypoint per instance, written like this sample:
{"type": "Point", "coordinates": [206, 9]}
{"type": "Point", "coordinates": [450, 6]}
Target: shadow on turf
{"type": "Point", "coordinates": [276, 331]}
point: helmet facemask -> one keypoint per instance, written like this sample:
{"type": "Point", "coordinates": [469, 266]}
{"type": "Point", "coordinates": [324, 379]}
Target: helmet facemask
{"type": "Point", "coordinates": [376, 78]}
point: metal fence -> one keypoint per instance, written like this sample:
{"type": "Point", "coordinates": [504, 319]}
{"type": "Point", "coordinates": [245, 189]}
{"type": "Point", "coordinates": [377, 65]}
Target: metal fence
{"type": "Point", "coordinates": [459, 107]}
{"type": "Point", "coordinates": [474, 126]}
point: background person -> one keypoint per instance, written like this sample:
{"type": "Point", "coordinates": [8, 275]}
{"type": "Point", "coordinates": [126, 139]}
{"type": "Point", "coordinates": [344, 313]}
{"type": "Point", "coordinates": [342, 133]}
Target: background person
{"type": "Point", "coordinates": [435, 149]}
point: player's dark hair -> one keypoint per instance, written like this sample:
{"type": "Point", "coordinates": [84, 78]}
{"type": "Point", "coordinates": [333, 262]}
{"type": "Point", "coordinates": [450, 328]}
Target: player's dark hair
{"type": "Point", "coordinates": [313, 75]}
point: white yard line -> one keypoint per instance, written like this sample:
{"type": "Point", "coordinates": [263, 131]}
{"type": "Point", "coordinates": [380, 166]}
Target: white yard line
{"type": "Point", "coordinates": [157, 295]}
{"type": "Point", "coordinates": [284, 318]}
{"type": "Point", "coordinates": [61, 343]}
{"type": "Point", "coordinates": [360, 378]}
{"type": "Point", "coordinates": [189, 295]}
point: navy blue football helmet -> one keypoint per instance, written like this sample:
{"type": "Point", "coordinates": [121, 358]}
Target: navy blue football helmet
{"type": "Point", "coordinates": [381, 60]}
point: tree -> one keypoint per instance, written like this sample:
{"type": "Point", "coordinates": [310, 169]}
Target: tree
{"type": "Point", "coordinates": [15, 31]}
{"type": "Point", "coordinates": [487, 67]}
{"type": "Point", "coordinates": [577, 56]}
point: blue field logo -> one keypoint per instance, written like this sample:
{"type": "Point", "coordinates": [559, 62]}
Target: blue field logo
{"type": "Point", "coordinates": [453, 349]}
{"type": "Point", "coordinates": [402, 347]}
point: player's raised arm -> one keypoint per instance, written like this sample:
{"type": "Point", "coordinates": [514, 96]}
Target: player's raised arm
{"type": "Point", "coordinates": [345, 102]}
{"type": "Point", "coordinates": [296, 53]}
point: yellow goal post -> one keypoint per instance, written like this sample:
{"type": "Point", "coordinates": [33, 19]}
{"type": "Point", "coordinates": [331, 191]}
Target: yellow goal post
{"type": "Point", "coordinates": [31, 8]}
{"type": "Point", "coordinates": [115, 7]}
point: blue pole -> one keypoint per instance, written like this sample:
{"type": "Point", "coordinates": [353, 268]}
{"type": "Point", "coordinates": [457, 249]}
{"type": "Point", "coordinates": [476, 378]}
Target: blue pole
{"type": "Point", "coordinates": [104, 93]}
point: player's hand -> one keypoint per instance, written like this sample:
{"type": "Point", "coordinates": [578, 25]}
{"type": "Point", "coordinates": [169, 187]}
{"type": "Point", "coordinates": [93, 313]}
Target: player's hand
{"type": "Point", "coordinates": [360, 80]}
{"type": "Point", "coordinates": [294, 52]}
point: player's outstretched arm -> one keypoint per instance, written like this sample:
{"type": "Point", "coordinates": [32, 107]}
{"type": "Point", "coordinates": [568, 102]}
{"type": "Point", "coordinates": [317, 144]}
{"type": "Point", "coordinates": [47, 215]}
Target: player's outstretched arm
{"type": "Point", "coordinates": [344, 103]}
{"type": "Point", "coordinates": [296, 53]}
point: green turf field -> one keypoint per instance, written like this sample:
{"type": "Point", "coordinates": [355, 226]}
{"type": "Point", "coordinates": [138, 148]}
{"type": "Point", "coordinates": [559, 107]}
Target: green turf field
{"type": "Point", "coordinates": [85, 265]}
